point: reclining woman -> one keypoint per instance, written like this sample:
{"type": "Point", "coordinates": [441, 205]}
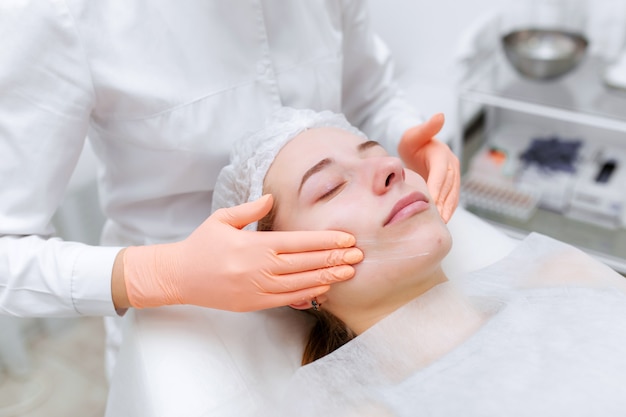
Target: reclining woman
{"type": "Point", "coordinates": [541, 332]}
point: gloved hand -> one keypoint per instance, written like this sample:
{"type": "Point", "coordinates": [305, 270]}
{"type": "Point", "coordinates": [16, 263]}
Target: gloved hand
{"type": "Point", "coordinates": [223, 267]}
{"type": "Point", "coordinates": [433, 160]}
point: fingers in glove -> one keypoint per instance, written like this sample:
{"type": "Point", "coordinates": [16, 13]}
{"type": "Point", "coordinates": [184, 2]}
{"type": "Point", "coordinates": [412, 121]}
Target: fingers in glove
{"type": "Point", "coordinates": [298, 281]}
{"type": "Point", "coordinates": [242, 215]}
{"type": "Point", "coordinates": [434, 125]}
{"type": "Point", "coordinates": [418, 136]}
{"type": "Point", "coordinates": [309, 241]}
{"type": "Point", "coordinates": [445, 192]}
{"type": "Point", "coordinates": [451, 201]}
{"type": "Point", "coordinates": [289, 298]}
{"type": "Point", "coordinates": [290, 263]}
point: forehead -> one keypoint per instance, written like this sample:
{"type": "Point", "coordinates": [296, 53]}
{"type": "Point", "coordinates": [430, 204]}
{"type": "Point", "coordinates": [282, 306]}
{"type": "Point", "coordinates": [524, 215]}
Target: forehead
{"type": "Point", "coordinates": [313, 144]}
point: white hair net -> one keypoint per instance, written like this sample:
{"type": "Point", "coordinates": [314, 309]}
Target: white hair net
{"type": "Point", "coordinates": [242, 179]}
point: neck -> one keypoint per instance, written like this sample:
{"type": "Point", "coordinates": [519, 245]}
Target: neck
{"type": "Point", "coordinates": [372, 314]}
{"type": "Point", "coordinates": [424, 330]}
{"type": "Point", "coordinates": [441, 320]}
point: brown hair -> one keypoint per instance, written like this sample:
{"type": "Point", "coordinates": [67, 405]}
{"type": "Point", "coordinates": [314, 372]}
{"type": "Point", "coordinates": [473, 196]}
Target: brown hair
{"type": "Point", "coordinates": [328, 332]}
{"type": "Point", "coordinates": [266, 224]}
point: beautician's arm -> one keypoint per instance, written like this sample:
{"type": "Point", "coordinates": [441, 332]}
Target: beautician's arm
{"type": "Point", "coordinates": [118, 284]}
{"type": "Point", "coordinates": [47, 97]}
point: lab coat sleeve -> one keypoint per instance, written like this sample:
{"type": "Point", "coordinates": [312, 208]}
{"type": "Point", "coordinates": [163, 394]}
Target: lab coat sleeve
{"type": "Point", "coordinates": [46, 97]}
{"type": "Point", "coordinates": [371, 98]}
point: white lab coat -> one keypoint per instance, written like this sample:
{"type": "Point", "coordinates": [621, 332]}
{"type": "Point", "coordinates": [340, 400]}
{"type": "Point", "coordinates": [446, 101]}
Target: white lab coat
{"type": "Point", "coordinates": [161, 88]}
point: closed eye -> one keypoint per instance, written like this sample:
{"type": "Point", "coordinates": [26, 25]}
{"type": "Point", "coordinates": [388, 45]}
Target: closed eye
{"type": "Point", "coordinates": [331, 193]}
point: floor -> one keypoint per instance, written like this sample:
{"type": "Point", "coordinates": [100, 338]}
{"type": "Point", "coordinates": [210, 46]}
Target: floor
{"type": "Point", "coordinates": [68, 375]}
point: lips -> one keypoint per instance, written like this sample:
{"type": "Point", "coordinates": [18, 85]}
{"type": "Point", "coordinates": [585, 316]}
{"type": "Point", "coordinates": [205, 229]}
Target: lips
{"type": "Point", "coordinates": [406, 207]}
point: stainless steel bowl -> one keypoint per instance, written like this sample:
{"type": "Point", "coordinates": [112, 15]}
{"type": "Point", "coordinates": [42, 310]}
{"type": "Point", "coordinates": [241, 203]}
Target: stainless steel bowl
{"type": "Point", "coordinates": [543, 54]}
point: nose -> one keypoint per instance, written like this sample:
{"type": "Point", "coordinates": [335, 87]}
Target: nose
{"type": "Point", "coordinates": [388, 171]}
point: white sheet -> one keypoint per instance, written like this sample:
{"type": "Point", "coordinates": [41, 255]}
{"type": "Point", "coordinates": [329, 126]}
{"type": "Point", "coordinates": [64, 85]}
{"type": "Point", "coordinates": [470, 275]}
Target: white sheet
{"type": "Point", "coordinates": [539, 333]}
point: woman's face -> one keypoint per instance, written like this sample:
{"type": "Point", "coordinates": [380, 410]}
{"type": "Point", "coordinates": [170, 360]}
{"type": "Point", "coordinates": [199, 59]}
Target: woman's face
{"type": "Point", "coordinates": [329, 179]}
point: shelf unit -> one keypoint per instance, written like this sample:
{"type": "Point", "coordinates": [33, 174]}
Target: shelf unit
{"type": "Point", "coordinates": [577, 104]}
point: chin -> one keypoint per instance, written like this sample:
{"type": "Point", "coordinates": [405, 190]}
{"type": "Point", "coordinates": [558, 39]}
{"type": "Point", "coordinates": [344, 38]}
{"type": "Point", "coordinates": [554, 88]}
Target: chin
{"type": "Point", "coordinates": [415, 245]}
{"type": "Point", "coordinates": [442, 243]}
{"type": "Point", "coordinates": [432, 239]}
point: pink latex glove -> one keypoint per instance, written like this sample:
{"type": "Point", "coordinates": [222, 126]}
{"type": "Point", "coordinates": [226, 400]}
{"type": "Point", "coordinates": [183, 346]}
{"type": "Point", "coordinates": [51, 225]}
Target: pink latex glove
{"type": "Point", "coordinates": [223, 267]}
{"type": "Point", "coordinates": [433, 160]}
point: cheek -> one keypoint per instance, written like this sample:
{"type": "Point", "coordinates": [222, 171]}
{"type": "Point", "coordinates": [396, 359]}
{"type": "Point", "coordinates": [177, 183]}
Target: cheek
{"type": "Point", "coordinates": [347, 213]}
{"type": "Point", "coordinates": [297, 218]}
{"type": "Point", "coordinates": [416, 181]}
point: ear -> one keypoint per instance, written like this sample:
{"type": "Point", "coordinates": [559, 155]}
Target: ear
{"type": "Point", "coordinates": [303, 305]}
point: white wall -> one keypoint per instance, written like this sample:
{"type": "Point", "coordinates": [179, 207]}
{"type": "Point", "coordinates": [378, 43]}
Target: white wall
{"type": "Point", "coordinates": [424, 37]}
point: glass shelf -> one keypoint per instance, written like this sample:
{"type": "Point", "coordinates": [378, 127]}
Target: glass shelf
{"type": "Point", "coordinates": [579, 98]}
{"type": "Point", "coordinates": [608, 246]}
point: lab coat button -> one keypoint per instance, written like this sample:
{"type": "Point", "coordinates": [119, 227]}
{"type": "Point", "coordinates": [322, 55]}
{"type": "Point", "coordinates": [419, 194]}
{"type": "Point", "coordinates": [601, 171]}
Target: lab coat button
{"type": "Point", "coordinates": [261, 68]}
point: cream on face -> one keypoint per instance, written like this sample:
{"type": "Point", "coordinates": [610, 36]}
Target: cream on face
{"type": "Point", "coordinates": [327, 178]}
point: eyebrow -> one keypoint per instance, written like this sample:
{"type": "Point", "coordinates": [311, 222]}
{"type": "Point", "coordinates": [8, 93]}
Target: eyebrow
{"type": "Point", "coordinates": [327, 161]}
{"type": "Point", "coordinates": [366, 145]}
